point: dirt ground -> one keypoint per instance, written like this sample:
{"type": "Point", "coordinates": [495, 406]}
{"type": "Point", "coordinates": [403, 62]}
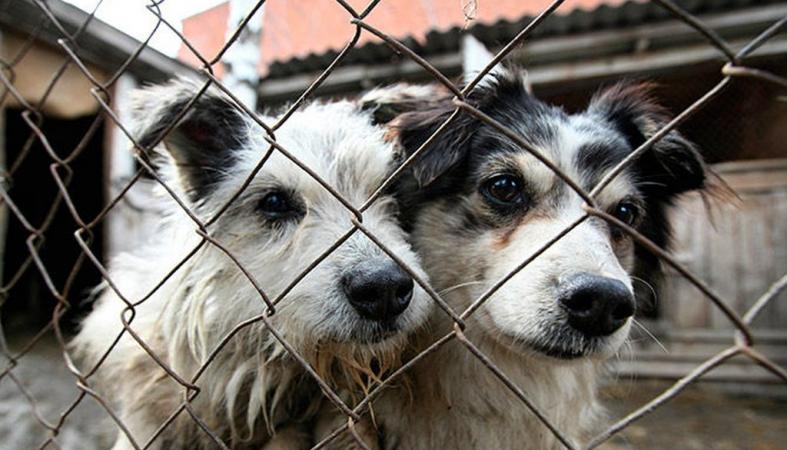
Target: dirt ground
{"type": "Point", "coordinates": [701, 418]}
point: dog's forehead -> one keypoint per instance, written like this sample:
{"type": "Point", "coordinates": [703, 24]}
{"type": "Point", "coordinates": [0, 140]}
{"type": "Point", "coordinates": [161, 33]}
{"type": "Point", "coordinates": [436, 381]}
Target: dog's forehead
{"type": "Point", "coordinates": [336, 142]}
{"type": "Point", "coordinates": [583, 146]}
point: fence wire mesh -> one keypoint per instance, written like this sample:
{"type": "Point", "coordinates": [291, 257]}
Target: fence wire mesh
{"type": "Point", "coordinates": [60, 163]}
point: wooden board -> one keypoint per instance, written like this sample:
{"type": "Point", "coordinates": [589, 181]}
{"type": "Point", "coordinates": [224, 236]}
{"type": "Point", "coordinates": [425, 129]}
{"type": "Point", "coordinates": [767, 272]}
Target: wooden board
{"type": "Point", "coordinates": [739, 250]}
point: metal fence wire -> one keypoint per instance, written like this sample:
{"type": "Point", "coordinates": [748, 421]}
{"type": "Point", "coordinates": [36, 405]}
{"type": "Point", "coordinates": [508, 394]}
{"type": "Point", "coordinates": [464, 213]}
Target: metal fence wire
{"type": "Point", "coordinates": [60, 167]}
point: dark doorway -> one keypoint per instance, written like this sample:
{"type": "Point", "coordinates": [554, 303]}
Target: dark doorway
{"type": "Point", "coordinates": [29, 303]}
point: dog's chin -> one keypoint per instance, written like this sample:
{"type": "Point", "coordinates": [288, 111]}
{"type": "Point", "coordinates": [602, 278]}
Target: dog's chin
{"type": "Point", "coordinates": [560, 351]}
{"type": "Point", "coordinates": [566, 344]}
{"type": "Point", "coordinates": [373, 333]}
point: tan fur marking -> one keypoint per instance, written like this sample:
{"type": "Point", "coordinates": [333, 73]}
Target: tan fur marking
{"type": "Point", "coordinates": [504, 235]}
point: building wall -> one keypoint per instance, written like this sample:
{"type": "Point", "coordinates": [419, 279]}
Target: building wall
{"type": "Point", "coordinates": [34, 72]}
{"type": "Point", "coordinates": [205, 32]}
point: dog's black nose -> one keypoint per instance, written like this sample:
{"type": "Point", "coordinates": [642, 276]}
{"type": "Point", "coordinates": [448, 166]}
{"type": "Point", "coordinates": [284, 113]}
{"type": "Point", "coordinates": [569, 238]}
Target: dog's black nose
{"type": "Point", "coordinates": [596, 305]}
{"type": "Point", "coordinates": [381, 292]}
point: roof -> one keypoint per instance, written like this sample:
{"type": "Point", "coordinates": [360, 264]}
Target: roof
{"type": "Point", "coordinates": [99, 44]}
{"type": "Point", "coordinates": [558, 59]}
{"type": "Point", "coordinates": [299, 29]}
{"type": "Point", "coordinates": [327, 29]}
{"type": "Point", "coordinates": [570, 18]}
{"type": "Point", "coordinates": [305, 36]}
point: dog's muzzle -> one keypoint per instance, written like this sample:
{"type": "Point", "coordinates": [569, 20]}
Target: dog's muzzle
{"type": "Point", "coordinates": [379, 291]}
{"type": "Point", "coordinates": [595, 305]}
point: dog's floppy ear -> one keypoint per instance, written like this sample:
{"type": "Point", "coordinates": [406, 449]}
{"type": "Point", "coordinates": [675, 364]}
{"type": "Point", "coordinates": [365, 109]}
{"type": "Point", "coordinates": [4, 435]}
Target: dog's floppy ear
{"type": "Point", "coordinates": [389, 102]}
{"type": "Point", "coordinates": [452, 145]}
{"type": "Point", "coordinates": [202, 141]}
{"type": "Point", "coordinates": [412, 114]}
{"type": "Point", "coordinates": [673, 165]}
{"type": "Point", "coordinates": [449, 148]}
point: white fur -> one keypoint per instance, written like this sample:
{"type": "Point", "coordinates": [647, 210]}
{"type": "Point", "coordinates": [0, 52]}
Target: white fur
{"type": "Point", "coordinates": [252, 379]}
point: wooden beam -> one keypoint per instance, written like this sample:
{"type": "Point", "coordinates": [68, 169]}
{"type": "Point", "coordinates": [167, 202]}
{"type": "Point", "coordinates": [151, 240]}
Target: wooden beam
{"type": "Point", "coordinates": [670, 61]}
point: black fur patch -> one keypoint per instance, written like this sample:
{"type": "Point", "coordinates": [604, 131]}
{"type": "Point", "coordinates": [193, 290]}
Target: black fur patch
{"type": "Point", "coordinates": [447, 166]}
{"type": "Point", "coordinates": [597, 158]}
{"type": "Point", "coordinates": [673, 164]}
{"type": "Point", "coordinates": [621, 118]}
{"type": "Point", "coordinates": [670, 167]}
{"type": "Point", "coordinates": [203, 141]}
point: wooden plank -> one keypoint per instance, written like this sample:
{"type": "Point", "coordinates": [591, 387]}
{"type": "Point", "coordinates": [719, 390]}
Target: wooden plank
{"type": "Point", "coordinates": [778, 242]}
{"type": "Point", "coordinates": [738, 373]}
{"type": "Point", "coordinates": [599, 44]}
{"type": "Point", "coordinates": [688, 307]}
{"type": "Point", "coordinates": [684, 58]}
{"type": "Point", "coordinates": [723, 261]}
{"type": "Point", "coordinates": [753, 167]}
{"type": "Point", "coordinates": [757, 259]}
{"type": "Point", "coordinates": [738, 252]}
{"type": "Point", "coordinates": [707, 335]}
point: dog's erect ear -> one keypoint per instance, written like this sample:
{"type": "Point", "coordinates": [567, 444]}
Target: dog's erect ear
{"type": "Point", "coordinates": [673, 164]}
{"type": "Point", "coordinates": [201, 144]}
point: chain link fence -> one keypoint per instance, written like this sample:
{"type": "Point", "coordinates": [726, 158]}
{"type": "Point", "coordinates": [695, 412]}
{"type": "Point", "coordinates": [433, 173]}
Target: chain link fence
{"type": "Point", "coordinates": [60, 166]}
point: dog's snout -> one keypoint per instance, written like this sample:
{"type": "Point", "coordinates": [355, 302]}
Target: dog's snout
{"type": "Point", "coordinates": [596, 305]}
{"type": "Point", "coordinates": [381, 292]}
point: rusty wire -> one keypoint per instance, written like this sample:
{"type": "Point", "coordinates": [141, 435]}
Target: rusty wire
{"type": "Point", "coordinates": [743, 344]}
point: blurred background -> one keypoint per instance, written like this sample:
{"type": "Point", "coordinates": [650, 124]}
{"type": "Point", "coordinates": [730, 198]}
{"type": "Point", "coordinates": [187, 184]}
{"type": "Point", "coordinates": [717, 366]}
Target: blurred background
{"type": "Point", "coordinates": [737, 246]}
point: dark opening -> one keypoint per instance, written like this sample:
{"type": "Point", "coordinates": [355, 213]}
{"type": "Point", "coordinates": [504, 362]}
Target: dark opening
{"type": "Point", "coordinates": [29, 303]}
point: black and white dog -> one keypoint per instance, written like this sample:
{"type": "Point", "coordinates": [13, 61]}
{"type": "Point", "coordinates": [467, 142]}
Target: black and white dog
{"type": "Point", "coordinates": [349, 317]}
{"type": "Point", "coordinates": [478, 205]}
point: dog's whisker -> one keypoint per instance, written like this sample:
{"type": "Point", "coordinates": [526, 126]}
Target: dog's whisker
{"type": "Point", "coordinates": [648, 333]}
{"type": "Point", "coordinates": [652, 183]}
{"type": "Point", "coordinates": [648, 285]}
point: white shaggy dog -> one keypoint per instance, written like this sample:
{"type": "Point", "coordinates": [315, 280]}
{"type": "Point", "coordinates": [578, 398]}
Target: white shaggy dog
{"type": "Point", "coordinates": [478, 205]}
{"type": "Point", "coordinates": [348, 317]}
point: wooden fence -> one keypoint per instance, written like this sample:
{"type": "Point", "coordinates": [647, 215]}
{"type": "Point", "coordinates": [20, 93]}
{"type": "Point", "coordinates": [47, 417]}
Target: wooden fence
{"type": "Point", "coordinates": [738, 249]}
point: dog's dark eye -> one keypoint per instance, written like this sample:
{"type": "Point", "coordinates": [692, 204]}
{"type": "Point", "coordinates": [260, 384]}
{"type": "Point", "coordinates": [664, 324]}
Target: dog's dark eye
{"type": "Point", "coordinates": [627, 213]}
{"type": "Point", "coordinates": [278, 205]}
{"type": "Point", "coordinates": [504, 190]}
